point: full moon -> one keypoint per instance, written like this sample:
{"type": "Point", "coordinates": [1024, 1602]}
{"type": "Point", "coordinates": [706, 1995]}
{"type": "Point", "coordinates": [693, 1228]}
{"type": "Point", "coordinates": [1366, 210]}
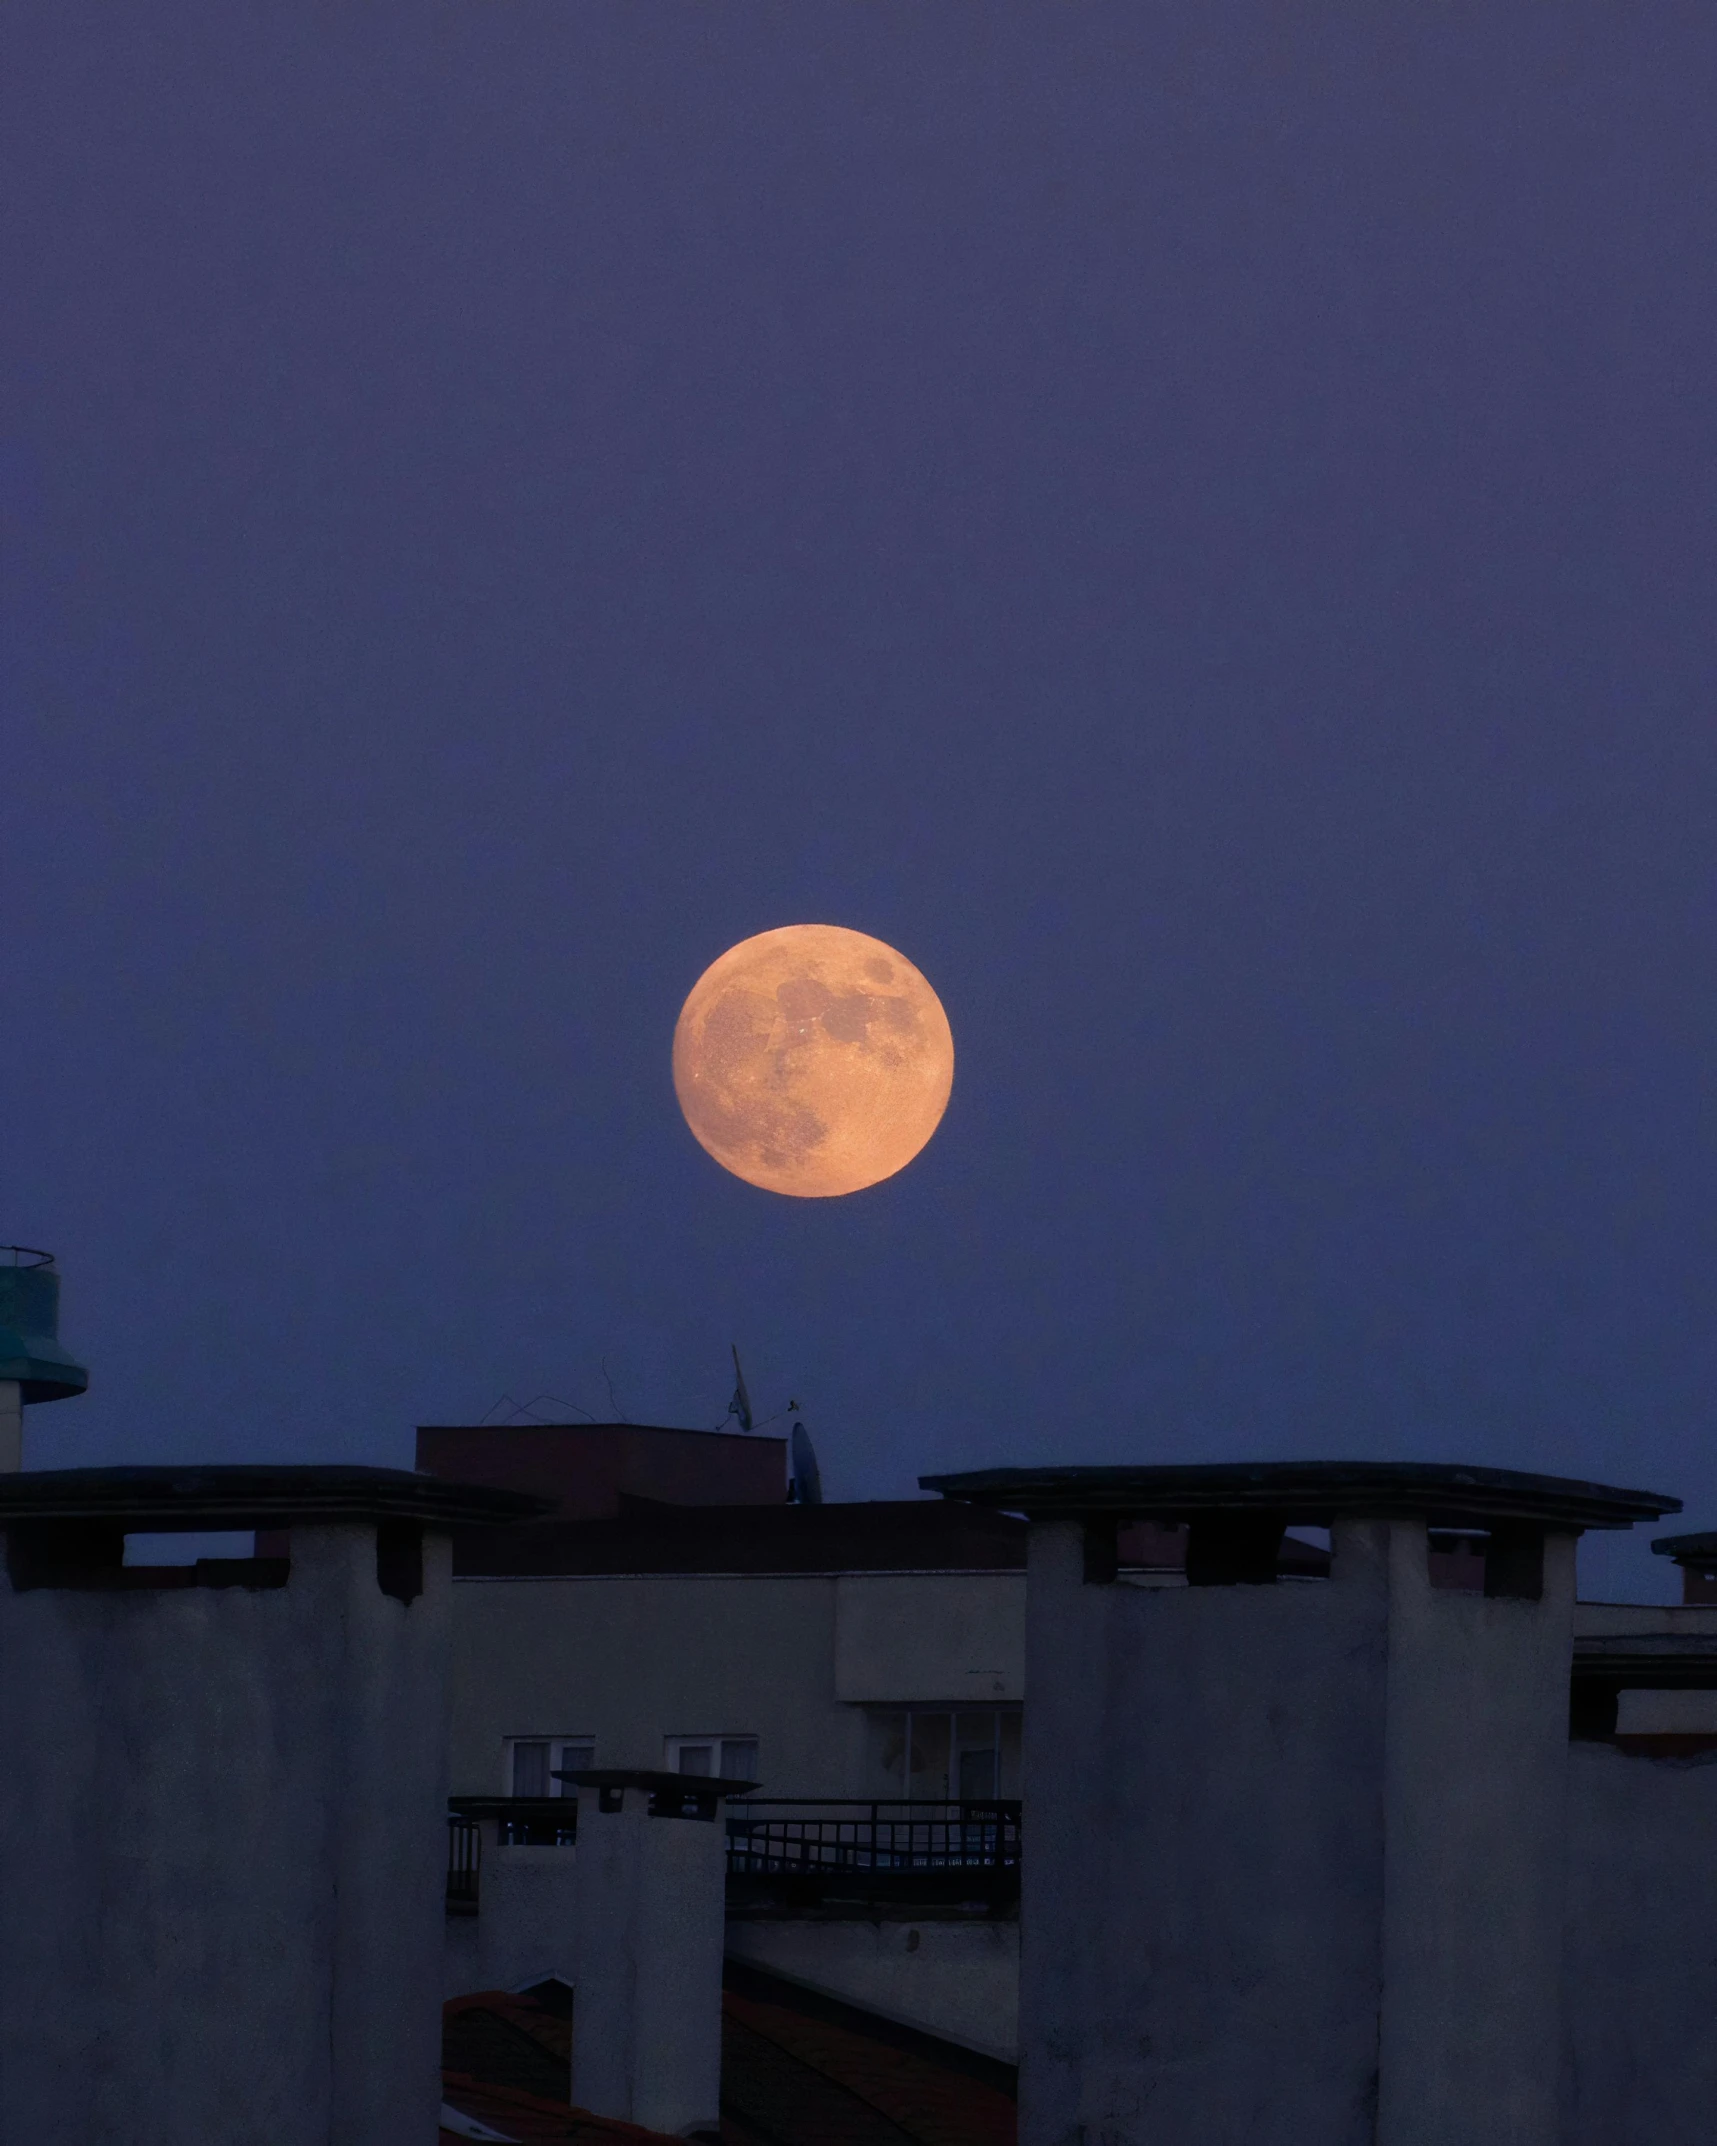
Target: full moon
{"type": "Point", "coordinates": [813, 1060]}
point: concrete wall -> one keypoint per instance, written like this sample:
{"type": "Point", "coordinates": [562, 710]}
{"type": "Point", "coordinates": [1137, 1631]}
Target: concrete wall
{"type": "Point", "coordinates": [930, 1637]}
{"type": "Point", "coordinates": [956, 1979]}
{"type": "Point", "coordinates": [222, 1852]}
{"type": "Point", "coordinates": [1292, 1862]}
{"type": "Point", "coordinates": [1639, 2054]}
{"type": "Point", "coordinates": [1475, 1773]}
{"type": "Point", "coordinates": [647, 1970]}
{"type": "Point", "coordinates": [523, 1930]}
{"type": "Point", "coordinates": [634, 1660]}
{"type": "Point", "coordinates": [1202, 1873]}
{"type": "Point", "coordinates": [631, 1661]}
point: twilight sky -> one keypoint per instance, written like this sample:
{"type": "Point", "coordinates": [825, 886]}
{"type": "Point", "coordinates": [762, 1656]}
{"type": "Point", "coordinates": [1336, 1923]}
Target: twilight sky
{"type": "Point", "coordinates": [1195, 524]}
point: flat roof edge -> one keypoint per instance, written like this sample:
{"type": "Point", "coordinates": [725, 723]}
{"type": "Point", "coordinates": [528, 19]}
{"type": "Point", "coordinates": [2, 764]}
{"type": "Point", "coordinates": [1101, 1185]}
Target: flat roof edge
{"type": "Point", "coordinates": [1307, 1493]}
{"type": "Point", "coordinates": [670, 1430]}
{"type": "Point", "coordinates": [169, 1499]}
{"type": "Point", "coordinates": [1688, 1549]}
{"type": "Point", "coordinates": [801, 1572]}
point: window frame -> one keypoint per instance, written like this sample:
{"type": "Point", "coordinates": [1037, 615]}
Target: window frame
{"type": "Point", "coordinates": [559, 1745]}
{"type": "Point", "coordinates": [946, 1739]}
{"type": "Point", "coordinates": [716, 1743]}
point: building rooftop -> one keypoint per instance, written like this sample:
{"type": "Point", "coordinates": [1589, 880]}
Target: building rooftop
{"type": "Point", "coordinates": [905, 1535]}
{"type": "Point", "coordinates": [1307, 1493]}
{"type": "Point", "coordinates": [584, 1469]}
{"type": "Point", "coordinates": [168, 1500]}
{"type": "Point", "coordinates": [797, 2069]}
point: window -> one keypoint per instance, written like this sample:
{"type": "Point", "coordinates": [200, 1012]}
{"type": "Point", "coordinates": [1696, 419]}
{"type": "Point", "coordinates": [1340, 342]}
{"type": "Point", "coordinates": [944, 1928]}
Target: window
{"type": "Point", "coordinates": [944, 1755]}
{"type": "Point", "coordinates": [533, 1761]}
{"type": "Point", "coordinates": [730, 1758]}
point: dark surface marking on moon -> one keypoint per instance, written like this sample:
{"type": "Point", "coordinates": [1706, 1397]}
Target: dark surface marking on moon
{"type": "Point", "coordinates": [765, 1125]}
{"type": "Point", "coordinates": [848, 1016]}
{"type": "Point", "coordinates": [736, 1033]}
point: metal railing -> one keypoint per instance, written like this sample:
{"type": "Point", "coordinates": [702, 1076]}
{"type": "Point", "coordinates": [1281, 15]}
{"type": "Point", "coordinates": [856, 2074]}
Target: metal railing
{"type": "Point", "coordinates": [523, 1821]}
{"type": "Point", "coordinates": [786, 1855]}
{"type": "Point", "coordinates": [464, 1863]}
{"type": "Point", "coordinates": [827, 1848]}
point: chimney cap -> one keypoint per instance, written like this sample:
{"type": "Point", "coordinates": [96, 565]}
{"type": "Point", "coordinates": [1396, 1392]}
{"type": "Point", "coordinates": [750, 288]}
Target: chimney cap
{"type": "Point", "coordinates": [1308, 1493]}
{"type": "Point", "coordinates": [1699, 1551]}
{"type": "Point", "coordinates": [222, 1496]}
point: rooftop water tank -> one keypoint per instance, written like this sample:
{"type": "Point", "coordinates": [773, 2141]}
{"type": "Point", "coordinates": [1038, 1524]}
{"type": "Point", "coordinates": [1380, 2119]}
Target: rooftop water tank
{"type": "Point", "coordinates": [30, 1349]}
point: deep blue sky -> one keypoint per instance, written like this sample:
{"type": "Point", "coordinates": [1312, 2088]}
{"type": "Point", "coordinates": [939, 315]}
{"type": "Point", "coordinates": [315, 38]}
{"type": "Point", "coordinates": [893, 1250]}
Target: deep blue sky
{"type": "Point", "coordinates": [1195, 524]}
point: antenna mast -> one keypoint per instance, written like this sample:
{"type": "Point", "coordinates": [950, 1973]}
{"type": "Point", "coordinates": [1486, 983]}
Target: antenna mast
{"type": "Point", "coordinates": [740, 1405]}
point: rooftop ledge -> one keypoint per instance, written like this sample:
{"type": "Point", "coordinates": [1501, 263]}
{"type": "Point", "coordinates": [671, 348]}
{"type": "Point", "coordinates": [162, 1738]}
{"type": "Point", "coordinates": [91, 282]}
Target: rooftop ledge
{"type": "Point", "coordinates": [1308, 1493]}
{"type": "Point", "coordinates": [1699, 1551]}
{"type": "Point", "coordinates": [171, 1500]}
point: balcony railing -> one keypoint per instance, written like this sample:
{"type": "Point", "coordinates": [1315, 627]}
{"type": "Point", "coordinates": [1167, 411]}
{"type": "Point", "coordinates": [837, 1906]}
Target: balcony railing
{"type": "Point", "coordinates": [834, 1854]}
{"type": "Point", "coordinates": [522, 1821]}
{"type": "Point", "coordinates": [830, 1850]}
{"type": "Point", "coordinates": [464, 1863]}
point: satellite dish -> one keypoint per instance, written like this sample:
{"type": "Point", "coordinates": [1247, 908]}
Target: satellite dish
{"type": "Point", "coordinates": [807, 1478]}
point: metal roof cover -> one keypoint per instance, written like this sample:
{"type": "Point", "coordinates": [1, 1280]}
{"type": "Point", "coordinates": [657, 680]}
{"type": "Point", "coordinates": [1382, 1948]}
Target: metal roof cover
{"type": "Point", "coordinates": [1696, 1550]}
{"type": "Point", "coordinates": [30, 1349]}
{"type": "Point", "coordinates": [1309, 1493]}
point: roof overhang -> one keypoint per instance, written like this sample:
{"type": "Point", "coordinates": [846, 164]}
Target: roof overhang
{"type": "Point", "coordinates": [170, 1500]}
{"type": "Point", "coordinates": [1308, 1494]}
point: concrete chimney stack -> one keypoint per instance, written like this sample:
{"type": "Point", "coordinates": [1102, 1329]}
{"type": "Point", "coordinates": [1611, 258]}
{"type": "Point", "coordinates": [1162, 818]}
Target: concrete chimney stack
{"type": "Point", "coordinates": [647, 1952]}
{"type": "Point", "coordinates": [1294, 1856]}
{"type": "Point", "coordinates": [222, 1809]}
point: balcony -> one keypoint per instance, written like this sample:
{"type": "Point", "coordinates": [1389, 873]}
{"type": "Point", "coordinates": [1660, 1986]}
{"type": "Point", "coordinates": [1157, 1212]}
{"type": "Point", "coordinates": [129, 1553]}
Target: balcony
{"type": "Point", "coordinates": [834, 1856]}
{"type": "Point", "coordinates": [822, 1855]}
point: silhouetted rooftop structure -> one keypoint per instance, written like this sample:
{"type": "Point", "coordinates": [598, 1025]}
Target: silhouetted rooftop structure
{"type": "Point", "coordinates": [164, 1499]}
{"type": "Point", "coordinates": [904, 1535]}
{"type": "Point", "coordinates": [585, 1469]}
{"type": "Point", "coordinates": [1308, 1493]}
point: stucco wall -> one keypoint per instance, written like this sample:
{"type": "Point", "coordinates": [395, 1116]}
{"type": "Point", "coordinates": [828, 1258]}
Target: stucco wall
{"type": "Point", "coordinates": [647, 1965]}
{"type": "Point", "coordinates": [956, 1979]}
{"type": "Point", "coordinates": [1202, 1876]}
{"type": "Point", "coordinates": [1640, 1972]}
{"type": "Point", "coordinates": [930, 1637]}
{"type": "Point", "coordinates": [1476, 1767]}
{"type": "Point", "coordinates": [523, 1931]}
{"type": "Point", "coordinates": [222, 1851]}
{"type": "Point", "coordinates": [634, 1660]}
{"type": "Point", "coordinates": [1292, 1861]}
